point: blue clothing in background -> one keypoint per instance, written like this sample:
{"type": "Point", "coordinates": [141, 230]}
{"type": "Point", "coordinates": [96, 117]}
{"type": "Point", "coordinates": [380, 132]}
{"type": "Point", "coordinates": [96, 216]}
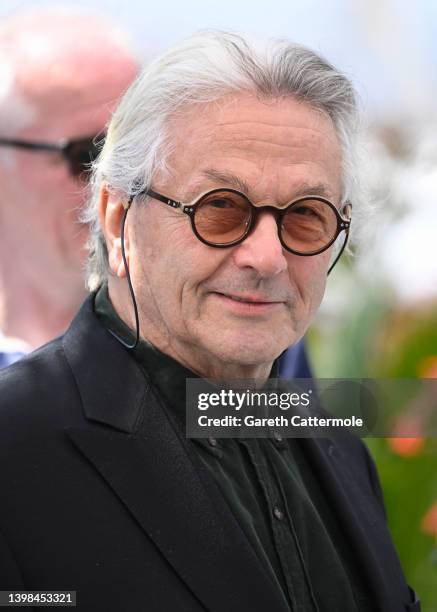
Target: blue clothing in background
{"type": "Point", "coordinates": [10, 351]}
{"type": "Point", "coordinates": [8, 358]}
{"type": "Point", "coordinates": [294, 362]}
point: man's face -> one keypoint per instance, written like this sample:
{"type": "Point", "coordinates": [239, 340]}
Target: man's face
{"type": "Point", "coordinates": [186, 290]}
{"type": "Point", "coordinates": [66, 103]}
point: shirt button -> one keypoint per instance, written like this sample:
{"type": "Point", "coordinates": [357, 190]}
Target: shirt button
{"type": "Point", "coordinates": [212, 441]}
{"type": "Point", "coordinates": [278, 513]}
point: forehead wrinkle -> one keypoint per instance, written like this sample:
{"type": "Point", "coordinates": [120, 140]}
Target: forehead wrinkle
{"type": "Point", "coordinates": [289, 146]}
{"type": "Point", "coordinates": [283, 129]}
{"type": "Point", "coordinates": [303, 123]}
{"type": "Point", "coordinates": [244, 140]}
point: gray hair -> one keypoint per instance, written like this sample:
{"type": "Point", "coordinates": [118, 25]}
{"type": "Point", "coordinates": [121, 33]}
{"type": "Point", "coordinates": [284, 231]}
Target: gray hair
{"type": "Point", "coordinates": [203, 68]}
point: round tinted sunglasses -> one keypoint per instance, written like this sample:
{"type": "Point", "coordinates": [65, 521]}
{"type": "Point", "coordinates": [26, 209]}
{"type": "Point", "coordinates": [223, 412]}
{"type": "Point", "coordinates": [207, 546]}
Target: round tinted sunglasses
{"type": "Point", "coordinates": [78, 152]}
{"type": "Point", "coordinates": [223, 218]}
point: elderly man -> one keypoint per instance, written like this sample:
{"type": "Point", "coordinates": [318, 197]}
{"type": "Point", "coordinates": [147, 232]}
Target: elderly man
{"type": "Point", "coordinates": [224, 182]}
{"type": "Point", "coordinates": [61, 72]}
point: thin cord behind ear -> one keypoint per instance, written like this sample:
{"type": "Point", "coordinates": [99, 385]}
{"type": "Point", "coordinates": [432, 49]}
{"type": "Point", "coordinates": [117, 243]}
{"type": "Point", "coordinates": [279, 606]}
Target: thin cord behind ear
{"type": "Point", "coordinates": [339, 254]}
{"type": "Point", "coordinates": [129, 282]}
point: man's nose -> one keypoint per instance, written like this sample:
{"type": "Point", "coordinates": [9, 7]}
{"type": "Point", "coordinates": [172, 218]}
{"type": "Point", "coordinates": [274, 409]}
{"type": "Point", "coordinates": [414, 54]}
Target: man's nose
{"type": "Point", "coordinates": [262, 250]}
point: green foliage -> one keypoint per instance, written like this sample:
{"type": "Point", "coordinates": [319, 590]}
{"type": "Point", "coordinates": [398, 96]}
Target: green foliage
{"type": "Point", "coordinates": [410, 488]}
{"type": "Point", "coordinates": [373, 336]}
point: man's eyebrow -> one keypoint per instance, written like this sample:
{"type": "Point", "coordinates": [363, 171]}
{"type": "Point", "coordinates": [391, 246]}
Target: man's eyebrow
{"type": "Point", "coordinates": [318, 189]}
{"type": "Point", "coordinates": [228, 178]}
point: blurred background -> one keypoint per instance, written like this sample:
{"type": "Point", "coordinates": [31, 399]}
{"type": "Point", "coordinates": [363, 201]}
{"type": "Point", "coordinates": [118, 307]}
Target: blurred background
{"type": "Point", "coordinates": [379, 318]}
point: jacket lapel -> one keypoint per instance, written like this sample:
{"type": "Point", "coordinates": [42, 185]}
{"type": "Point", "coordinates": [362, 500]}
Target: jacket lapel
{"type": "Point", "coordinates": [354, 504]}
{"type": "Point", "coordinates": [155, 473]}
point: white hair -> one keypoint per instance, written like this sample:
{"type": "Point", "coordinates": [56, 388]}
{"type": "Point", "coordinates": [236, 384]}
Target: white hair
{"type": "Point", "coordinates": [203, 68]}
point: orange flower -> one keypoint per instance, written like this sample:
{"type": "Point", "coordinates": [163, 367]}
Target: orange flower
{"type": "Point", "coordinates": [406, 447]}
{"type": "Point", "coordinates": [428, 367]}
{"type": "Point", "coordinates": [429, 521]}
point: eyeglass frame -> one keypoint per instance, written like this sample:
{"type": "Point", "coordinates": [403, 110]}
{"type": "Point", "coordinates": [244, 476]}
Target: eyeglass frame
{"type": "Point", "coordinates": [343, 223]}
{"type": "Point", "coordinates": [62, 146]}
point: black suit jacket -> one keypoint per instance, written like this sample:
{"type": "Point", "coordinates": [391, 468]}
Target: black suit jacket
{"type": "Point", "coordinates": [102, 495]}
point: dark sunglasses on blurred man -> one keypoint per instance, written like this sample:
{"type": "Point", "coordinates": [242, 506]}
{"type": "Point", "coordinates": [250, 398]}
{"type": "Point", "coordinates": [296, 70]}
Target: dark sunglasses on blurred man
{"type": "Point", "coordinates": [77, 152]}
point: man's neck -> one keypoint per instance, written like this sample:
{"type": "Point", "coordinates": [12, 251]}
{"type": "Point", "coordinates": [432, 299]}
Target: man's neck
{"type": "Point", "coordinates": [206, 367]}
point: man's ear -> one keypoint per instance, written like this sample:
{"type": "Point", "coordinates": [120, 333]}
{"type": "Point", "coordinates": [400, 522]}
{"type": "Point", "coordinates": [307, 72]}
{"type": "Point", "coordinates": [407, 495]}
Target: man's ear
{"type": "Point", "coordinates": [111, 208]}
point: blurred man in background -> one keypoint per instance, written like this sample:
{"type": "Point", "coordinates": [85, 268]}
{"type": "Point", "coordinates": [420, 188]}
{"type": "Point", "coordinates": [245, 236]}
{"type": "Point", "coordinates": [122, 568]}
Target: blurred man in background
{"type": "Point", "coordinates": [61, 73]}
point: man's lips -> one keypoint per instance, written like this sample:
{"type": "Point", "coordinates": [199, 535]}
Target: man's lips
{"type": "Point", "coordinates": [249, 299]}
{"type": "Point", "coordinates": [247, 305]}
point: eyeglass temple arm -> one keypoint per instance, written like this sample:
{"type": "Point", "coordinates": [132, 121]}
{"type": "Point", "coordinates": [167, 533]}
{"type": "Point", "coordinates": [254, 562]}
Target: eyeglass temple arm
{"type": "Point", "coordinates": [347, 206]}
{"type": "Point", "coordinates": [161, 198]}
{"type": "Point", "coordinates": [33, 146]}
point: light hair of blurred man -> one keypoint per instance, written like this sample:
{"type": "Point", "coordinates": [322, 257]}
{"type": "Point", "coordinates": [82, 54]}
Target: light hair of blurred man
{"type": "Point", "coordinates": [61, 74]}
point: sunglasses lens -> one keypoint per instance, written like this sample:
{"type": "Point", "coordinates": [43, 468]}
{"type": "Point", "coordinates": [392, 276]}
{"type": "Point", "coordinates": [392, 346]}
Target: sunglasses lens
{"type": "Point", "coordinates": [309, 225]}
{"type": "Point", "coordinates": [80, 154]}
{"type": "Point", "coordinates": [222, 217]}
